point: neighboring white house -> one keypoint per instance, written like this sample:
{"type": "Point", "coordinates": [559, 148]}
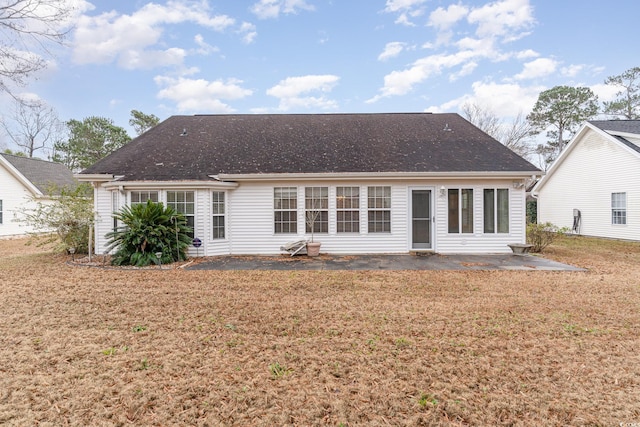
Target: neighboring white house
{"type": "Point", "coordinates": [386, 183]}
{"type": "Point", "coordinates": [593, 187]}
{"type": "Point", "coordinates": [24, 182]}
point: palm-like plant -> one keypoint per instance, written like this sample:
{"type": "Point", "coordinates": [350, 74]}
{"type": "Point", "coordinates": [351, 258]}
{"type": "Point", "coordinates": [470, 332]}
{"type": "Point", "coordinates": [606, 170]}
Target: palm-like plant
{"type": "Point", "coordinates": [149, 228]}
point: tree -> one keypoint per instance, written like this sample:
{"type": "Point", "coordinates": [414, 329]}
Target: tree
{"type": "Point", "coordinates": [28, 28]}
{"type": "Point", "coordinates": [627, 104]}
{"type": "Point", "coordinates": [34, 126]}
{"type": "Point", "coordinates": [563, 109]}
{"type": "Point", "coordinates": [147, 229]}
{"type": "Point", "coordinates": [514, 135]}
{"type": "Point", "coordinates": [142, 122]}
{"type": "Point", "coordinates": [89, 141]}
{"type": "Point", "coordinates": [69, 217]}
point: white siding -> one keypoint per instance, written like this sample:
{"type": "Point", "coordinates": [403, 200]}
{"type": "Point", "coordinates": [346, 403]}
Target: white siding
{"type": "Point", "coordinates": [595, 168]}
{"type": "Point", "coordinates": [478, 241]}
{"type": "Point", "coordinates": [15, 199]}
{"type": "Point", "coordinates": [250, 220]}
{"type": "Point", "coordinates": [103, 219]}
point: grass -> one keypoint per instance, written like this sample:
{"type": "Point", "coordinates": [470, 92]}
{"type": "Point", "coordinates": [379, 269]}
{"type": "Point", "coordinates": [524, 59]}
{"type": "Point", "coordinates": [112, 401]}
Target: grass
{"type": "Point", "coordinates": [87, 346]}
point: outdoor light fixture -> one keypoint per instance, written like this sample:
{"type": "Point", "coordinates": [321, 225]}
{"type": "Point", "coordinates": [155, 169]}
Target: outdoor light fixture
{"type": "Point", "coordinates": [72, 251]}
{"type": "Point", "coordinates": [159, 256]}
{"type": "Point", "coordinates": [443, 191]}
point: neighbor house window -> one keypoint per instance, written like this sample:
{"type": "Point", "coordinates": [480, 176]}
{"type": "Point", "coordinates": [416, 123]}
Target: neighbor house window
{"type": "Point", "coordinates": [460, 211]}
{"type": "Point", "coordinates": [218, 212]}
{"type": "Point", "coordinates": [316, 209]}
{"type": "Point", "coordinates": [184, 202]}
{"type": "Point", "coordinates": [618, 208]}
{"type": "Point", "coordinates": [496, 210]}
{"type": "Point", "coordinates": [143, 196]}
{"type": "Point", "coordinates": [285, 206]}
{"type": "Point", "coordinates": [379, 209]}
{"type": "Point", "coordinates": [0, 211]}
{"type": "Point", "coordinates": [348, 209]}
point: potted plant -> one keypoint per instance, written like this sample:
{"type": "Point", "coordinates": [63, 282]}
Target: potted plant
{"type": "Point", "coordinates": [311, 216]}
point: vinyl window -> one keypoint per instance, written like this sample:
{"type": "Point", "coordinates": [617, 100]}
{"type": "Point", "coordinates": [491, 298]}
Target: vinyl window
{"type": "Point", "coordinates": [218, 214]}
{"type": "Point", "coordinates": [619, 208]}
{"type": "Point", "coordinates": [184, 203]}
{"type": "Point", "coordinates": [316, 209]}
{"type": "Point", "coordinates": [285, 207]}
{"type": "Point", "coordinates": [379, 209]}
{"type": "Point", "coordinates": [496, 210]}
{"type": "Point", "coordinates": [460, 210]}
{"type": "Point", "coordinates": [143, 196]}
{"type": "Point", "coordinates": [348, 209]}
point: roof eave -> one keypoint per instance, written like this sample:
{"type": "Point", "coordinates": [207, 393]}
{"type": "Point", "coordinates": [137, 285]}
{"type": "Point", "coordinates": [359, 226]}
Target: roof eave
{"type": "Point", "coordinates": [330, 176]}
{"type": "Point", "coordinates": [20, 177]}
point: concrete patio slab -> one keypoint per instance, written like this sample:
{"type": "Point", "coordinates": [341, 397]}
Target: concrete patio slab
{"type": "Point", "coordinates": [383, 262]}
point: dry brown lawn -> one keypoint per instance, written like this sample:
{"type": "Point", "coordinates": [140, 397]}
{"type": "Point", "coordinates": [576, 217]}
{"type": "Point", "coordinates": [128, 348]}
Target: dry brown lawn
{"type": "Point", "coordinates": [101, 347]}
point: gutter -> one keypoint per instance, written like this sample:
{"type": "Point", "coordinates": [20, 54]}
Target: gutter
{"type": "Point", "coordinates": [375, 175]}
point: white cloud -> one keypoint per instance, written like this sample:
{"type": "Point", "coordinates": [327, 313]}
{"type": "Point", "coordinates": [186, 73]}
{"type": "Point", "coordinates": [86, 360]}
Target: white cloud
{"type": "Point", "coordinates": [605, 92]}
{"type": "Point", "coordinates": [406, 9]}
{"type": "Point", "coordinates": [391, 50]}
{"type": "Point", "coordinates": [444, 19]}
{"type": "Point", "coordinates": [402, 5]}
{"type": "Point", "coordinates": [204, 48]}
{"type": "Point", "coordinates": [248, 32]}
{"type": "Point", "coordinates": [291, 92]}
{"type": "Point", "coordinates": [493, 25]}
{"type": "Point", "coordinates": [504, 99]}
{"type": "Point", "coordinates": [540, 67]}
{"type": "Point", "coordinates": [200, 95]}
{"type": "Point", "coordinates": [506, 19]}
{"type": "Point", "coordinates": [572, 70]}
{"type": "Point", "coordinates": [112, 37]}
{"type": "Point", "coordinates": [268, 9]}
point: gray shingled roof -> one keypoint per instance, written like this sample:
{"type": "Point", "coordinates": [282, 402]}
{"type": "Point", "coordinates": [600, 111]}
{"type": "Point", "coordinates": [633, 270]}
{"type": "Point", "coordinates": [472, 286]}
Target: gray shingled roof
{"type": "Point", "coordinates": [625, 126]}
{"type": "Point", "coordinates": [308, 143]}
{"type": "Point", "coordinates": [41, 173]}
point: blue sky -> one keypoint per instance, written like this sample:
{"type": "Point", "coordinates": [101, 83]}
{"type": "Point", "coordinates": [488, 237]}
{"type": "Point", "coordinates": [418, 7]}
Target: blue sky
{"type": "Point", "coordinates": [331, 56]}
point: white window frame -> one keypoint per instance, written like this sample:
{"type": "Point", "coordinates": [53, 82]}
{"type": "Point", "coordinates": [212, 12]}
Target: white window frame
{"type": "Point", "coordinates": [348, 207]}
{"type": "Point", "coordinates": [316, 209]}
{"type": "Point", "coordinates": [619, 208]}
{"type": "Point", "coordinates": [491, 213]}
{"type": "Point", "coordinates": [379, 209]}
{"type": "Point", "coordinates": [288, 205]}
{"type": "Point", "coordinates": [463, 225]}
{"type": "Point", "coordinates": [185, 207]}
{"type": "Point", "coordinates": [218, 213]}
{"type": "Point", "coordinates": [142, 196]}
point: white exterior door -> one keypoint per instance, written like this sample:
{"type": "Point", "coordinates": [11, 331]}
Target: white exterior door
{"type": "Point", "coordinates": [421, 224]}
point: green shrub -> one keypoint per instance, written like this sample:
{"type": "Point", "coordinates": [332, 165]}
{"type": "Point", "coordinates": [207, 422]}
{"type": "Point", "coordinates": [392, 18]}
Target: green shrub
{"type": "Point", "coordinates": [542, 235]}
{"type": "Point", "coordinates": [149, 228]}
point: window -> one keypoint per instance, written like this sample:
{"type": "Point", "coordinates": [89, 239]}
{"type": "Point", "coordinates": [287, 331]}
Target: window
{"type": "Point", "coordinates": [285, 206]}
{"type": "Point", "coordinates": [143, 196]}
{"type": "Point", "coordinates": [348, 209]}
{"type": "Point", "coordinates": [460, 210]}
{"type": "Point", "coordinates": [379, 209]}
{"type": "Point", "coordinates": [183, 202]}
{"type": "Point", "coordinates": [0, 211]}
{"type": "Point", "coordinates": [316, 209]}
{"type": "Point", "coordinates": [496, 210]}
{"type": "Point", "coordinates": [217, 210]}
{"type": "Point", "coordinates": [618, 208]}
{"type": "Point", "coordinates": [114, 208]}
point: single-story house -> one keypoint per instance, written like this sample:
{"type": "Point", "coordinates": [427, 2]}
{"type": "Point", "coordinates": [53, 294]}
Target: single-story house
{"type": "Point", "coordinates": [377, 183]}
{"type": "Point", "coordinates": [25, 182]}
{"type": "Point", "coordinates": [593, 187]}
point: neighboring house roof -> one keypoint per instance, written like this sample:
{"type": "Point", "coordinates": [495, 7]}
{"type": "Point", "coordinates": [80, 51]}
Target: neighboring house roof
{"type": "Point", "coordinates": [39, 174]}
{"type": "Point", "coordinates": [623, 132]}
{"type": "Point", "coordinates": [198, 147]}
